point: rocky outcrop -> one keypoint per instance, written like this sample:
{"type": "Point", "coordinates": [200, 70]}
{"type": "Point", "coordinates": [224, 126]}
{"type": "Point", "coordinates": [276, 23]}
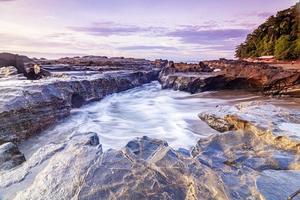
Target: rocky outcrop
{"type": "Point", "coordinates": [149, 169]}
{"type": "Point", "coordinates": [215, 122]}
{"type": "Point", "coordinates": [276, 126]}
{"type": "Point", "coordinates": [18, 61]}
{"type": "Point", "coordinates": [226, 166]}
{"type": "Point", "coordinates": [101, 63]}
{"type": "Point", "coordinates": [28, 107]}
{"type": "Point", "coordinates": [10, 156]}
{"type": "Point", "coordinates": [226, 74]}
{"type": "Point", "coordinates": [66, 167]}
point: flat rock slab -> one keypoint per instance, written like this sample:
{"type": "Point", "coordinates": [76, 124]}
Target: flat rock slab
{"type": "Point", "coordinates": [277, 126]}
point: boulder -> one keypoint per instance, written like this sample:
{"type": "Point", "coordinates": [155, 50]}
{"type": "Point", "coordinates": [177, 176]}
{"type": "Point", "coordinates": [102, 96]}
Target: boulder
{"type": "Point", "coordinates": [10, 156]}
{"type": "Point", "coordinates": [18, 61]}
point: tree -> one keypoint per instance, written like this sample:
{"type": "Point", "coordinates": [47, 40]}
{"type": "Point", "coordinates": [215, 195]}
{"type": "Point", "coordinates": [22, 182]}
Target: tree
{"type": "Point", "coordinates": [282, 48]}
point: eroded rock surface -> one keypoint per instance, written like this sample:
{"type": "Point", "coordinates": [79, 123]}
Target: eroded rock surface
{"type": "Point", "coordinates": [10, 156]}
{"type": "Point", "coordinates": [227, 74]}
{"type": "Point", "coordinates": [232, 165]}
{"type": "Point", "coordinates": [27, 107]}
{"type": "Point", "coordinates": [277, 126]}
{"type": "Point", "coordinates": [149, 169]}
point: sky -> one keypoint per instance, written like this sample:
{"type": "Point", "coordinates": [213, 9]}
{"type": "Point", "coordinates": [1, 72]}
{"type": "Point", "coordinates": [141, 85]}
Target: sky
{"type": "Point", "coordinates": [179, 30]}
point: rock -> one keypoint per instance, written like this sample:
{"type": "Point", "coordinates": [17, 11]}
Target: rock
{"type": "Point", "coordinates": [28, 107]}
{"type": "Point", "coordinates": [10, 156]}
{"type": "Point", "coordinates": [149, 169]}
{"type": "Point", "coordinates": [64, 172]}
{"type": "Point", "coordinates": [35, 72]}
{"type": "Point", "coordinates": [249, 76]}
{"type": "Point", "coordinates": [275, 126]}
{"type": "Point", "coordinates": [215, 122]}
{"type": "Point", "coordinates": [7, 59]}
{"type": "Point", "coordinates": [232, 165]}
{"type": "Point", "coordinates": [101, 63]}
{"type": "Point", "coordinates": [241, 159]}
{"type": "Point", "coordinates": [8, 71]}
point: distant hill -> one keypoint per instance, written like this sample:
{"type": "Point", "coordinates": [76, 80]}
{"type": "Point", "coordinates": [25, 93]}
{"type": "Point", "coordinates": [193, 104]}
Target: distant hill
{"type": "Point", "coordinates": [278, 36]}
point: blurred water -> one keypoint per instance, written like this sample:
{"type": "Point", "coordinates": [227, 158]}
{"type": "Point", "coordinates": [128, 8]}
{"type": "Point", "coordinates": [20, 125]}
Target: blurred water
{"type": "Point", "coordinates": [143, 111]}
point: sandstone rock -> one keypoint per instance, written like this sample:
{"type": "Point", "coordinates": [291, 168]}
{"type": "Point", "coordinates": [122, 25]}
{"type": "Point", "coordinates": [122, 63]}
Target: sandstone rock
{"type": "Point", "coordinates": [215, 122]}
{"type": "Point", "coordinates": [232, 75]}
{"type": "Point", "coordinates": [276, 126]}
{"type": "Point", "coordinates": [10, 156]}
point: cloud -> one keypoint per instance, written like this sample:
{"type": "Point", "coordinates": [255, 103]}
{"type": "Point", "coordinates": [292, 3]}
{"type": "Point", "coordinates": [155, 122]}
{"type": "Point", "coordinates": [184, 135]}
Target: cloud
{"type": "Point", "coordinates": [195, 35]}
{"type": "Point", "coordinates": [264, 14]}
{"type": "Point", "coordinates": [145, 48]}
{"type": "Point", "coordinates": [108, 28]}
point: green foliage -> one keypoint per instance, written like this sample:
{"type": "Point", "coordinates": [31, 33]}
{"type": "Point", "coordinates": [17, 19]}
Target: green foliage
{"type": "Point", "coordinates": [278, 36]}
{"type": "Point", "coordinates": [282, 48]}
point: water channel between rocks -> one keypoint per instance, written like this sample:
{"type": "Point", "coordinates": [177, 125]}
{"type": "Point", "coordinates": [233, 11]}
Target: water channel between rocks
{"type": "Point", "coordinates": [143, 111]}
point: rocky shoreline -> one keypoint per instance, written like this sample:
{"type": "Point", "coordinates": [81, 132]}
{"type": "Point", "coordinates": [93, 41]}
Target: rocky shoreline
{"type": "Point", "coordinates": [231, 75]}
{"type": "Point", "coordinates": [255, 138]}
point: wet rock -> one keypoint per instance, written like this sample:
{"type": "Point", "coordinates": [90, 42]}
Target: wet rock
{"type": "Point", "coordinates": [64, 172]}
{"type": "Point", "coordinates": [35, 72]}
{"type": "Point", "coordinates": [274, 125]}
{"type": "Point", "coordinates": [256, 77]}
{"type": "Point", "coordinates": [18, 61]}
{"type": "Point", "coordinates": [149, 169]}
{"type": "Point", "coordinates": [10, 156]}
{"type": "Point", "coordinates": [232, 165]}
{"type": "Point", "coordinates": [240, 158]}
{"type": "Point", "coordinates": [17, 175]}
{"type": "Point", "coordinates": [27, 107]}
{"type": "Point", "coordinates": [8, 71]}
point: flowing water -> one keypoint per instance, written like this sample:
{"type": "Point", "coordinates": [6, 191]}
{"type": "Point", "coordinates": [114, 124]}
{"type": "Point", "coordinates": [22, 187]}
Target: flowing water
{"type": "Point", "coordinates": [145, 111]}
{"type": "Point", "coordinates": [142, 111]}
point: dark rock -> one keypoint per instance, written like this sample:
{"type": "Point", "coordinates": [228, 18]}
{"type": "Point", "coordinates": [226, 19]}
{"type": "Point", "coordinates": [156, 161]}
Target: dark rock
{"type": "Point", "coordinates": [35, 72]}
{"type": "Point", "coordinates": [18, 61]}
{"type": "Point", "coordinates": [93, 140]}
{"type": "Point", "coordinates": [10, 156]}
{"type": "Point", "coordinates": [77, 100]}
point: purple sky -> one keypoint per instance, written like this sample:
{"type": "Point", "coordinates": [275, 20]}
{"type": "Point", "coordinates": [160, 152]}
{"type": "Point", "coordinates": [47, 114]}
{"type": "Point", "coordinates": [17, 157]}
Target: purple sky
{"type": "Point", "coordinates": [186, 30]}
